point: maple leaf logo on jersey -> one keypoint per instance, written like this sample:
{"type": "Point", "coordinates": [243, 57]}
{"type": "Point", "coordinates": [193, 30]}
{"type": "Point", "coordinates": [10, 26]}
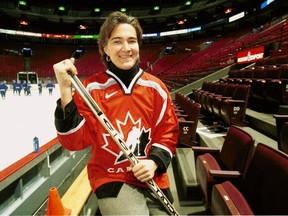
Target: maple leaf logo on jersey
{"type": "Point", "coordinates": [137, 139]}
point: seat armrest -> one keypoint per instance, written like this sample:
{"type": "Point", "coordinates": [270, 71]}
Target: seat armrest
{"type": "Point", "coordinates": [225, 173]}
{"type": "Point", "coordinates": [182, 122]}
{"type": "Point", "coordinates": [179, 110]}
{"type": "Point", "coordinates": [231, 101]}
{"type": "Point", "coordinates": [225, 98]}
{"type": "Point", "coordinates": [193, 143]}
{"type": "Point", "coordinates": [205, 149]}
{"type": "Point", "coordinates": [280, 117]}
{"type": "Point", "coordinates": [200, 150]}
{"type": "Point", "coordinates": [182, 115]}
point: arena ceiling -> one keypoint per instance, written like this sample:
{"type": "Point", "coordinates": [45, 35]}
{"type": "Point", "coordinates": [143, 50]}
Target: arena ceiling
{"type": "Point", "coordinates": [44, 16]}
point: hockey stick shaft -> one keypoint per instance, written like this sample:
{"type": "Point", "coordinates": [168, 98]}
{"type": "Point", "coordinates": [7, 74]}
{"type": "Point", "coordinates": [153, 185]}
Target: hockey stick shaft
{"type": "Point", "coordinates": [85, 95]}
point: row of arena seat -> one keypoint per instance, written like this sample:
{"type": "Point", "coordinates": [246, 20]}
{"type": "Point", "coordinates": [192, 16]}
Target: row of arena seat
{"type": "Point", "coordinates": [274, 59]}
{"type": "Point", "coordinates": [188, 112]}
{"type": "Point", "coordinates": [242, 179]}
{"type": "Point", "coordinates": [223, 104]}
{"type": "Point", "coordinates": [268, 83]}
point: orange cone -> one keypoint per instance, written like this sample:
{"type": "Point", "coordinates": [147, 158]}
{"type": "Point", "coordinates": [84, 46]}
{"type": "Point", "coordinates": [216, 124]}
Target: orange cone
{"type": "Point", "coordinates": [54, 206]}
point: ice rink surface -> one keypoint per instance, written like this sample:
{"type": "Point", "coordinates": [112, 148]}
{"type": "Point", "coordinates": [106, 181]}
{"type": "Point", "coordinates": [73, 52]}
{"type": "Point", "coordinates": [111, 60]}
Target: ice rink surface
{"type": "Point", "coordinates": [21, 119]}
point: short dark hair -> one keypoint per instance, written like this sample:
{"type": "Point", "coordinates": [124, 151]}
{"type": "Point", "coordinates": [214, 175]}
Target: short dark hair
{"type": "Point", "coordinates": [109, 24]}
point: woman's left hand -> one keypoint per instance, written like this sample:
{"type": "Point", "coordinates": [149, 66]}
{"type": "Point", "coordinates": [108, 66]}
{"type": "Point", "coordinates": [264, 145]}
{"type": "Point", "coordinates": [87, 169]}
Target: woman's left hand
{"type": "Point", "coordinates": [144, 170]}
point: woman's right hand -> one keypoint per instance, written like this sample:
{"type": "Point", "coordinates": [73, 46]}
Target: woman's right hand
{"type": "Point", "coordinates": [61, 70]}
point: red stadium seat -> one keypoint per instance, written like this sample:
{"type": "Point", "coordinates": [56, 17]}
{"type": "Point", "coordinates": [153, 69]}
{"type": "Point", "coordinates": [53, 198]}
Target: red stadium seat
{"type": "Point", "coordinates": [275, 89]}
{"type": "Point", "coordinates": [196, 93]}
{"type": "Point", "coordinates": [282, 129]}
{"type": "Point", "coordinates": [204, 94]}
{"type": "Point", "coordinates": [263, 190]}
{"type": "Point", "coordinates": [282, 59]}
{"type": "Point", "coordinates": [216, 101]}
{"type": "Point", "coordinates": [232, 111]}
{"type": "Point", "coordinates": [247, 76]}
{"type": "Point", "coordinates": [221, 88]}
{"type": "Point", "coordinates": [273, 86]}
{"type": "Point", "coordinates": [213, 165]}
{"type": "Point", "coordinates": [223, 204]}
{"type": "Point", "coordinates": [258, 82]}
{"type": "Point", "coordinates": [188, 126]}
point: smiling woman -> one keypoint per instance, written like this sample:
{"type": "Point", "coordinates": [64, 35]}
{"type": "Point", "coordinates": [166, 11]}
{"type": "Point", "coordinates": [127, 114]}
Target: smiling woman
{"type": "Point", "coordinates": [139, 105]}
{"type": "Point", "coordinates": [120, 33]}
{"type": "Point", "coordinates": [122, 47]}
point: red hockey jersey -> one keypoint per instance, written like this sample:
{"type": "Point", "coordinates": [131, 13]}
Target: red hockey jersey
{"type": "Point", "coordinates": [142, 113]}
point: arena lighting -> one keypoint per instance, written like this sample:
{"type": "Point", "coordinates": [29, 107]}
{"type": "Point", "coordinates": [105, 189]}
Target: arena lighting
{"type": "Point", "coordinates": [181, 22]}
{"type": "Point", "coordinates": [228, 10]}
{"type": "Point", "coordinates": [155, 9]}
{"type": "Point", "coordinates": [61, 10]}
{"type": "Point", "coordinates": [236, 17]}
{"type": "Point", "coordinates": [175, 32]}
{"type": "Point", "coordinates": [188, 3]}
{"type": "Point", "coordinates": [123, 10]}
{"type": "Point", "coordinates": [95, 11]}
{"type": "Point", "coordinates": [82, 27]}
{"type": "Point", "coordinates": [23, 5]}
{"type": "Point", "coordinates": [24, 22]}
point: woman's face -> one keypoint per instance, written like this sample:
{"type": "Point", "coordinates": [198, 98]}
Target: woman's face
{"type": "Point", "coordinates": [122, 46]}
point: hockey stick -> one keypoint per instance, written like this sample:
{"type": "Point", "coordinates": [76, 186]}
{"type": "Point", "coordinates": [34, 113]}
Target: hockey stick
{"type": "Point", "coordinates": [118, 140]}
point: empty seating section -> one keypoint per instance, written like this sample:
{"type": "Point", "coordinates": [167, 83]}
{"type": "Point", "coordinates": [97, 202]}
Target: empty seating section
{"type": "Point", "coordinates": [188, 115]}
{"type": "Point", "coordinates": [262, 191]}
{"type": "Point", "coordinates": [42, 62]}
{"type": "Point", "coordinates": [191, 60]}
{"type": "Point", "coordinates": [223, 102]}
{"type": "Point", "coordinates": [212, 165]}
{"type": "Point", "coordinates": [149, 53]}
{"type": "Point", "coordinates": [44, 56]}
{"type": "Point", "coordinates": [9, 66]}
{"type": "Point", "coordinates": [268, 80]}
{"type": "Point", "coordinates": [203, 62]}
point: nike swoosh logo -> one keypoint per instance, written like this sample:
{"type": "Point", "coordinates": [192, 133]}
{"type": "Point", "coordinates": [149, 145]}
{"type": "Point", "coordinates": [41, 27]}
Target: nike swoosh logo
{"type": "Point", "coordinates": [110, 95]}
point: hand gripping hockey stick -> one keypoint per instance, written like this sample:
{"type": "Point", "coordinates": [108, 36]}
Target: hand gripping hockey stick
{"type": "Point", "coordinates": [118, 140]}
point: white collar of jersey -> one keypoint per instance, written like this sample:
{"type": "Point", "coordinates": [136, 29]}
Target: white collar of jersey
{"type": "Point", "coordinates": [127, 90]}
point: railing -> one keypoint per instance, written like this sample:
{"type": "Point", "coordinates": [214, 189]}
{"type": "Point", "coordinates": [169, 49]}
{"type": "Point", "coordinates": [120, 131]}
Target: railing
{"type": "Point", "coordinates": [24, 185]}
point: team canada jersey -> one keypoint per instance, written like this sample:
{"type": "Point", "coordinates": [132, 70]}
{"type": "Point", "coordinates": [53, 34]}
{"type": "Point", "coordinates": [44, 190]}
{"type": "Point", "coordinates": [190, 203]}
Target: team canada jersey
{"type": "Point", "coordinates": [143, 115]}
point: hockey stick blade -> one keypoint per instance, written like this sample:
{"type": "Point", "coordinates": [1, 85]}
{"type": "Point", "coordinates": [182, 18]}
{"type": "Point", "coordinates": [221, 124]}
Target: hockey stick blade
{"type": "Point", "coordinates": [85, 95]}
